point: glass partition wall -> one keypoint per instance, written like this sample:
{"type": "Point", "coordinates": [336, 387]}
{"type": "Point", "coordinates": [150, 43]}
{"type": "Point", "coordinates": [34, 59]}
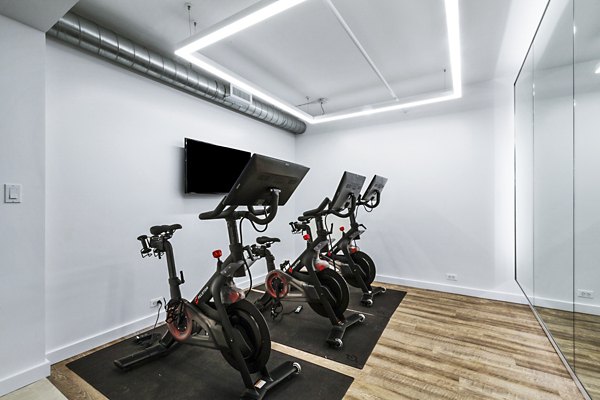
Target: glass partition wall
{"type": "Point", "coordinates": [587, 194]}
{"type": "Point", "coordinates": [557, 183]}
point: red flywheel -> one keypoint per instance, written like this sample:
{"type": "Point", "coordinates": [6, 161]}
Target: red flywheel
{"type": "Point", "coordinates": [277, 279]}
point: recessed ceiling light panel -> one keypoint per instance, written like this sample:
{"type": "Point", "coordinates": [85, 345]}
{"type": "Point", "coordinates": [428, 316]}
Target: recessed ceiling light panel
{"type": "Point", "coordinates": [263, 10]}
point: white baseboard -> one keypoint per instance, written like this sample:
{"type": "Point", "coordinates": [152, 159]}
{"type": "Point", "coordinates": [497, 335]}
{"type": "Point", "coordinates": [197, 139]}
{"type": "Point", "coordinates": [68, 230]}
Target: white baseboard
{"type": "Point", "coordinates": [24, 378]}
{"type": "Point", "coordinates": [552, 303]}
{"type": "Point", "coordinates": [69, 350]}
{"type": "Point", "coordinates": [587, 308]}
{"type": "Point", "coordinates": [566, 305]}
{"type": "Point", "coordinates": [467, 291]}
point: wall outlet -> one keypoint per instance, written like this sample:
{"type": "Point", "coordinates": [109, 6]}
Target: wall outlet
{"type": "Point", "coordinates": [585, 294]}
{"type": "Point", "coordinates": [154, 302]}
{"type": "Point", "coordinates": [451, 277]}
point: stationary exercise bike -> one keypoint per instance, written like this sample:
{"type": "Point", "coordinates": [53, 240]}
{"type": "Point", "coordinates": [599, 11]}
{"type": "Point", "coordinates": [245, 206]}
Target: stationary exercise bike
{"type": "Point", "coordinates": [219, 317]}
{"type": "Point", "coordinates": [308, 279]}
{"type": "Point", "coordinates": [356, 266]}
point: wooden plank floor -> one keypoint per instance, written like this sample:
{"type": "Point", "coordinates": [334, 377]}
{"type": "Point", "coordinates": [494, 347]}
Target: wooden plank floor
{"type": "Point", "coordinates": [561, 325]}
{"type": "Point", "coordinates": [438, 346]}
{"type": "Point", "coordinates": [587, 352]}
{"type": "Point", "coordinates": [578, 336]}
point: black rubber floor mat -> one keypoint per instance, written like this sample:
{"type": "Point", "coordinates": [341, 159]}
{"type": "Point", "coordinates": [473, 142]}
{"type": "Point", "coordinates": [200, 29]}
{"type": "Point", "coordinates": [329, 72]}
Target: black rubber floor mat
{"type": "Point", "coordinates": [384, 304]}
{"type": "Point", "coordinates": [308, 331]}
{"type": "Point", "coordinates": [197, 373]}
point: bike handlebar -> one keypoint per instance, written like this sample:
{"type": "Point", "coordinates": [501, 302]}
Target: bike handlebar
{"type": "Point", "coordinates": [270, 212]}
{"type": "Point", "coordinates": [349, 211]}
{"type": "Point", "coordinates": [214, 213]}
{"type": "Point", "coordinates": [361, 202]}
{"type": "Point", "coordinates": [318, 210]}
{"type": "Point", "coordinates": [256, 212]}
{"type": "Point", "coordinates": [222, 211]}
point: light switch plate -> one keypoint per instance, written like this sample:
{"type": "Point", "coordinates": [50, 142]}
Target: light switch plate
{"type": "Point", "coordinates": [12, 193]}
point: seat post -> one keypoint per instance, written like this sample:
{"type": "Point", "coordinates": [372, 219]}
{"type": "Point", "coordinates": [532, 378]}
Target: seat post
{"type": "Point", "coordinates": [321, 230]}
{"type": "Point", "coordinates": [235, 247]}
{"type": "Point", "coordinates": [174, 281]}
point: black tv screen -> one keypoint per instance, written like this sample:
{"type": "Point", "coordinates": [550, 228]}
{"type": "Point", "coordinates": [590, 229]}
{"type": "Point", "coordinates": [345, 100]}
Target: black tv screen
{"type": "Point", "coordinates": [210, 168]}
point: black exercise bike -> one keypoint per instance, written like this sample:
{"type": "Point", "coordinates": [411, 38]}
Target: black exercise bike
{"type": "Point", "coordinates": [219, 317]}
{"type": "Point", "coordinates": [356, 266]}
{"type": "Point", "coordinates": [308, 279]}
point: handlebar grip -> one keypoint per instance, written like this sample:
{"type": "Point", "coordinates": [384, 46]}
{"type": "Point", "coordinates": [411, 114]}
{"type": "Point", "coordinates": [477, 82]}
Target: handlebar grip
{"type": "Point", "coordinates": [319, 209]}
{"type": "Point", "coordinates": [214, 213]}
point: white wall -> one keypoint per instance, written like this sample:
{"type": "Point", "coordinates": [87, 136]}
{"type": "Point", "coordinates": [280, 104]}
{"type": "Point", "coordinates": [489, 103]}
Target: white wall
{"type": "Point", "coordinates": [22, 351]}
{"type": "Point", "coordinates": [115, 168]}
{"type": "Point", "coordinates": [448, 204]}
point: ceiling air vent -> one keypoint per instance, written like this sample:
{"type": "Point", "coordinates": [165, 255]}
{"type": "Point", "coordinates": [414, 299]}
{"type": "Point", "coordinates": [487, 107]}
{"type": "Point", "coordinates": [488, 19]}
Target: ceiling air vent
{"type": "Point", "coordinates": [238, 96]}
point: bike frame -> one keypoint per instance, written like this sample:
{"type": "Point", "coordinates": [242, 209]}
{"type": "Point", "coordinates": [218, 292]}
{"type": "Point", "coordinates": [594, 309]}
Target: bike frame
{"type": "Point", "coordinates": [310, 287]}
{"type": "Point", "coordinates": [214, 321]}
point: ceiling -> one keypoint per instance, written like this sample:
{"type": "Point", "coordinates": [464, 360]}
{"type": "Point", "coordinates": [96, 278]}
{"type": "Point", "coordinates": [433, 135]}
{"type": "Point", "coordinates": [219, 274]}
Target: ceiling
{"type": "Point", "coordinates": [311, 54]}
{"type": "Point", "coordinates": [304, 52]}
{"type": "Point", "coordinates": [39, 14]}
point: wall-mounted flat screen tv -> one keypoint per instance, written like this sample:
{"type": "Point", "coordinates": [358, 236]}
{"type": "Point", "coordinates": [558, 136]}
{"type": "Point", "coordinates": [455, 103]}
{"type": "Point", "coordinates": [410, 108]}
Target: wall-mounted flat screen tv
{"type": "Point", "coordinates": [210, 168]}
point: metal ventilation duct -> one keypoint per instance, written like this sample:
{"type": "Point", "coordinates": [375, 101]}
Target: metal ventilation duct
{"type": "Point", "coordinates": [89, 36]}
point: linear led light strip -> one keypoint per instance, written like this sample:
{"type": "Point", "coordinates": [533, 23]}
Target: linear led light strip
{"type": "Point", "coordinates": [268, 8]}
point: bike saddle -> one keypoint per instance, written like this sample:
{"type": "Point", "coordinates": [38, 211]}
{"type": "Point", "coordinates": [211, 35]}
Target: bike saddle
{"type": "Point", "coordinates": [159, 229]}
{"type": "Point", "coordinates": [266, 239]}
{"type": "Point", "coordinates": [304, 218]}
